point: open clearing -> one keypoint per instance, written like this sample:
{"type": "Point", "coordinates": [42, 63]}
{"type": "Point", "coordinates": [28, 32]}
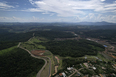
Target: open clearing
{"type": "Point", "coordinates": [38, 52]}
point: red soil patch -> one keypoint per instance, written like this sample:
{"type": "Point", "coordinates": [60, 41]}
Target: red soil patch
{"type": "Point", "coordinates": [38, 52]}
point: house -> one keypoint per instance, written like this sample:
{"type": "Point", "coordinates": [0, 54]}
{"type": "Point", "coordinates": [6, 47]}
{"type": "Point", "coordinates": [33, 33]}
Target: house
{"type": "Point", "coordinates": [64, 75]}
{"type": "Point", "coordinates": [69, 68]}
{"type": "Point", "coordinates": [94, 68]}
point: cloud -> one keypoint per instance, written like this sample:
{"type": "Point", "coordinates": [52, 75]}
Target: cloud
{"type": "Point", "coordinates": [102, 0]}
{"type": "Point", "coordinates": [4, 5]}
{"type": "Point", "coordinates": [33, 10]}
{"type": "Point", "coordinates": [69, 8]}
{"type": "Point", "coordinates": [94, 17]}
{"type": "Point", "coordinates": [20, 19]}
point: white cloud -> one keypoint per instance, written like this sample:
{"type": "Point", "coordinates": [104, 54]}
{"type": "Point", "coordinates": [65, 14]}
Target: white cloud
{"type": "Point", "coordinates": [5, 6]}
{"type": "Point", "coordinates": [102, 0]}
{"type": "Point", "coordinates": [20, 19]}
{"type": "Point", "coordinates": [68, 8]}
{"type": "Point", "coordinates": [91, 17]}
{"type": "Point", "coordinates": [33, 10]}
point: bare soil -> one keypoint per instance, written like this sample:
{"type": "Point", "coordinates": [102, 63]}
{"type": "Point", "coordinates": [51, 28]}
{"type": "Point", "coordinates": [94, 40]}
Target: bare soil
{"type": "Point", "coordinates": [57, 59]}
{"type": "Point", "coordinates": [38, 52]}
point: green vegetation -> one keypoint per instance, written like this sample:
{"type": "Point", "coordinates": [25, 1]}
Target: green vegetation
{"type": "Point", "coordinates": [101, 34]}
{"type": "Point", "coordinates": [70, 62]}
{"type": "Point", "coordinates": [53, 34]}
{"type": "Point", "coordinates": [15, 62]}
{"type": "Point", "coordinates": [73, 48]}
{"type": "Point", "coordinates": [87, 71]}
{"type": "Point", "coordinates": [5, 45]}
{"type": "Point", "coordinates": [33, 44]}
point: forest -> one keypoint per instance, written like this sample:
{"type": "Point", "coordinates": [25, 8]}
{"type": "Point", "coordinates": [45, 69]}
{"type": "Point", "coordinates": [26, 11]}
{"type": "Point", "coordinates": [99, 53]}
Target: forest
{"type": "Point", "coordinates": [73, 48]}
{"type": "Point", "coordinates": [9, 39]}
{"type": "Point", "coordinates": [109, 35]}
{"type": "Point", "coordinates": [15, 62]}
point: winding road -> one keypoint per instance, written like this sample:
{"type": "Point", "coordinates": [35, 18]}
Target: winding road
{"type": "Point", "coordinates": [38, 74]}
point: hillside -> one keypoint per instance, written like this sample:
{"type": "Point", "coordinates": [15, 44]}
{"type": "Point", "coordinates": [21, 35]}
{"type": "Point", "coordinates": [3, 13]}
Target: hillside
{"type": "Point", "coordinates": [15, 62]}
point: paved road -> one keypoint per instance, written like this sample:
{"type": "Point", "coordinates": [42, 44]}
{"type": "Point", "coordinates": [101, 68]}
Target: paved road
{"type": "Point", "coordinates": [49, 75]}
{"type": "Point", "coordinates": [38, 74]}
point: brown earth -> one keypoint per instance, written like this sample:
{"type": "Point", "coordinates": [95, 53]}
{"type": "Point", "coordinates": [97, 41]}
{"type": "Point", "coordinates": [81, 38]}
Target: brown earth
{"type": "Point", "coordinates": [38, 52]}
{"type": "Point", "coordinates": [57, 59]}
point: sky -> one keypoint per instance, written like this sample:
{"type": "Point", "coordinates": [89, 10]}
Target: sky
{"type": "Point", "coordinates": [58, 11]}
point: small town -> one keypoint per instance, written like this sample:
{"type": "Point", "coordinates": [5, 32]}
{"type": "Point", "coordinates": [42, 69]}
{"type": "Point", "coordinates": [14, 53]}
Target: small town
{"type": "Point", "coordinates": [90, 69]}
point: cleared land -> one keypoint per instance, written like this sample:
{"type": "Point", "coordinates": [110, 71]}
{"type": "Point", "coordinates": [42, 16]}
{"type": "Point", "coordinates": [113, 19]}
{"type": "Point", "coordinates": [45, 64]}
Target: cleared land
{"type": "Point", "coordinates": [38, 52]}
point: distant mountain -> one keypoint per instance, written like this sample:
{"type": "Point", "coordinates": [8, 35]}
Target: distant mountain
{"type": "Point", "coordinates": [96, 23]}
{"type": "Point", "coordinates": [103, 23]}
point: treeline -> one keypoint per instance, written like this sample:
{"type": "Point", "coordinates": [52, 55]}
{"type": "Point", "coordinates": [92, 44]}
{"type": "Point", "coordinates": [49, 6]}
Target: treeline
{"type": "Point", "coordinates": [74, 48]}
{"type": "Point", "coordinates": [70, 62]}
{"type": "Point", "coordinates": [8, 39]}
{"type": "Point", "coordinates": [4, 45]}
{"type": "Point", "coordinates": [101, 34]}
{"type": "Point", "coordinates": [54, 34]}
{"type": "Point", "coordinates": [18, 63]}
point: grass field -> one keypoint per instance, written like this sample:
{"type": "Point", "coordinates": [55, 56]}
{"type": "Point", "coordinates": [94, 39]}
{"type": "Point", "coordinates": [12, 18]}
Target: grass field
{"type": "Point", "coordinates": [32, 44]}
{"type": "Point", "coordinates": [2, 52]}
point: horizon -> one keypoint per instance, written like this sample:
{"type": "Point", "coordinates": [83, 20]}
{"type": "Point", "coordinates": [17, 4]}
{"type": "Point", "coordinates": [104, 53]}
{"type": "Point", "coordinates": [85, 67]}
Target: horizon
{"type": "Point", "coordinates": [72, 11]}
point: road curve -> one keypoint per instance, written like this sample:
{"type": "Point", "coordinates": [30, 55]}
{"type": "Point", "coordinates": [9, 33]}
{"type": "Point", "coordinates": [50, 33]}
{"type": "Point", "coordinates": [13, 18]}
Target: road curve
{"type": "Point", "coordinates": [49, 67]}
{"type": "Point", "coordinates": [38, 74]}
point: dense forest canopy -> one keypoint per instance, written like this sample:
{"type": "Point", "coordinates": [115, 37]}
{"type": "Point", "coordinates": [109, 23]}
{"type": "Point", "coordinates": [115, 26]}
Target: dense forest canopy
{"type": "Point", "coordinates": [101, 34]}
{"type": "Point", "coordinates": [74, 48]}
{"type": "Point", "coordinates": [18, 63]}
{"type": "Point", "coordinates": [9, 39]}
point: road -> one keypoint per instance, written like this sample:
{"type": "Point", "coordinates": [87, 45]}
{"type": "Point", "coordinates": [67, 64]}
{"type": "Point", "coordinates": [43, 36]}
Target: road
{"type": "Point", "coordinates": [49, 75]}
{"type": "Point", "coordinates": [75, 72]}
{"type": "Point", "coordinates": [19, 44]}
{"type": "Point", "coordinates": [38, 74]}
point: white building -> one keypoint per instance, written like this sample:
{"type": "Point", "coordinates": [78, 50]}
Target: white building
{"type": "Point", "coordinates": [64, 75]}
{"type": "Point", "coordinates": [69, 68]}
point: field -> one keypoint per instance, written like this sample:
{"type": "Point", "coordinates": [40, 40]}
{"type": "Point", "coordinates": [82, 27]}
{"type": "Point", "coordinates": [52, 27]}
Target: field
{"type": "Point", "coordinates": [33, 44]}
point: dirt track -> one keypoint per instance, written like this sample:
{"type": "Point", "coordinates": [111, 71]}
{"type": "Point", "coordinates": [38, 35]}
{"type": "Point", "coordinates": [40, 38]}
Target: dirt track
{"type": "Point", "coordinates": [57, 59]}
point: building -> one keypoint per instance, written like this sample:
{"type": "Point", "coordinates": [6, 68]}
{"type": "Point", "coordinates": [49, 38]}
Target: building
{"type": "Point", "coordinates": [94, 68]}
{"type": "Point", "coordinates": [64, 75]}
{"type": "Point", "coordinates": [69, 68]}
